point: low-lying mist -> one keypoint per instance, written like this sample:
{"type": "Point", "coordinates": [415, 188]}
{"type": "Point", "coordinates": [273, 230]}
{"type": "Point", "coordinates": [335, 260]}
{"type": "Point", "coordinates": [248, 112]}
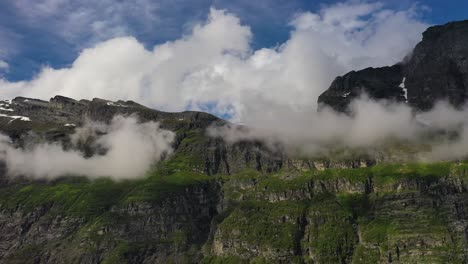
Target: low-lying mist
{"type": "Point", "coordinates": [131, 149]}
{"type": "Point", "coordinates": [372, 124]}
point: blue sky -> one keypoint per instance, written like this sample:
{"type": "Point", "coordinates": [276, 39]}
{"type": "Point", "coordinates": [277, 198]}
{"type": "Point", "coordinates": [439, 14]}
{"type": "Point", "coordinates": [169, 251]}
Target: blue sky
{"type": "Point", "coordinates": [34, 33]}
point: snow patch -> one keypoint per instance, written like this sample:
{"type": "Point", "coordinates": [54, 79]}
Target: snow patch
{"type": "Point", "coordinates": [405, 91]}
{"type": "Point", "coordinates": [22, 118]}
{"type": "Point", "coordinates": [69, 125]}
{"type": "Point", "coordinates": [346, 95]}
{"type": "Point", "coordinates": [114, 104]}
{"type": "Point", "coordinates": [5, 109]}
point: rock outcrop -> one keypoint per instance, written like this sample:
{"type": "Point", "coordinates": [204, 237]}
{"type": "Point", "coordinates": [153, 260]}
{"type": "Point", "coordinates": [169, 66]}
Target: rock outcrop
{"type": "Point", "coordinates": [438, 67]}
{"type": "Point", "coordinates": [216, 202]}
{"type": "Point", "coordinates": [384, 214]}
{"type": "Point", "coordinates": [436, 70]}
{"type": "Point", "coordinates": [377, 83]}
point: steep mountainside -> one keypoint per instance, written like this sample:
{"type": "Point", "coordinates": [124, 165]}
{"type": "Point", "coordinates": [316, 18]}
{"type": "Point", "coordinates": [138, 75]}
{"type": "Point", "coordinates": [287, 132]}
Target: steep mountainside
{"type": "Point", "coordinates": [437, 69]}
{"type": "Point", "coordinates": [215, 202]}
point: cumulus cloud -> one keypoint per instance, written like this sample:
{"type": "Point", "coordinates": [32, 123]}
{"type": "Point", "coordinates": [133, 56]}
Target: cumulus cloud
{"type": "Point", "coordinates": [215, 65]}
{"type": "Point", "coordinates": [310, 133]}
{"type": "Point", "coordinates": [87, 22]}
{"type": "Point", "coordinates": [131, 148]}
{"type": "Point", "coordinates": [274, 90]}
{"type": "Point", "coordinates": [438, 134]}
{"type": "Point", "coordinates": [3, 65]}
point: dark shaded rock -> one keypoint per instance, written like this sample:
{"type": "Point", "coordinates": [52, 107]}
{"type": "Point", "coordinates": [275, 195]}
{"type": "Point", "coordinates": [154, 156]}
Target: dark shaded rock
{"type": "Point", "coordinates": [438, 67]}
{"type": "Point", "coordinates": [437, 70]}
{"type": "Point", "coordinates": [377, 83]}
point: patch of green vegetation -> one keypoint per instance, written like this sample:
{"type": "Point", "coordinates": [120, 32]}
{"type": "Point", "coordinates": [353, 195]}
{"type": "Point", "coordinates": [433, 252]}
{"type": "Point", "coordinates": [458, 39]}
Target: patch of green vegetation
{"type": "Point", "coordinates": [330, 236]}
{"type": "Point", "coordinates": [223, 260]}
{"type": "Point", "coordinates": [179, 238]}
{"type": "Point", "coordinates": [238, 260]}
{"type": "Point", "coordinates": [237, 186]}
{"type": "Point", "coordinates": [273, 227]}
{"type": "Point", "coordinates": [407, 219]}
{"type": "Point", "coordinates": [118, 254]}
{"type": "Point", "coordinates": [366, 255]}
{"type": "Point", "coordinates": [82, 198]}
{"type": "Point", "coordinates": [377, 231]}
{"type": "Point", "coordinates": [382, 174]}
{"type": "Point", "coordinates": [192, 136]}
{"type": "Point", "coordinates": [188, 161]}
{"type": "Point", "coordinates": [27, 254]}
{"type": "Point", "coordinates": [357, 204]}
{"type": "Point", "coordinates": [382, 219]}
{"type": "Point", "coordinates": [357, 175]}
{"type": "Point", "coordinates": [428, 172]}
{"type": "Point", "coordinates": [274, 183]}
{"type": "Point", "coordinates": [158, 185]}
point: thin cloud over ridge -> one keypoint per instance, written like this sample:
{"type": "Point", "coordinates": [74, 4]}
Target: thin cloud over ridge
{"type": "Point", "coordinates": [132, 148]}
{"type": "Point", "coordinates": [214, 64]}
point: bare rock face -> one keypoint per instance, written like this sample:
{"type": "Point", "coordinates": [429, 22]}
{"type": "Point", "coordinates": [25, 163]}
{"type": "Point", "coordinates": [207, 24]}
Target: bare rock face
{"type": "Point", "coordinates": [438, 67]}
{"type": "Point", "coordinates": [377, 83]}
{"type": "Point", "coordinates": [217, 202]}
{"type": "Point", "coordinates": [436, 70]}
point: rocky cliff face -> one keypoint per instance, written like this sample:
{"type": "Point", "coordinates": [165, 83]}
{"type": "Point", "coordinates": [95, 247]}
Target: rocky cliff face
{"type": "Point", "coordinates": [436, 70]}
{"type": "Point", "coordinates": [380, 83]}
{"type": "Point", "coordinates": [55, 120]}
{"type": "Point", "coordinates": [215, 202]}
{"type": "Point", "coordinates": [383, 214]}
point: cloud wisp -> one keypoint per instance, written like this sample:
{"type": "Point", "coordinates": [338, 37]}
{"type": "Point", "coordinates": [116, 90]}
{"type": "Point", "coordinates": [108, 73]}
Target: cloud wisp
{"type": "Point", "coordinates": [214, 65]}
{"type": "Point", "coordinates": [131, 149]}
{"type": "Point", "coordinates": [214, 68]}
{"type": "Point", "coordinates": [438, 134]}
{"type": "Point", "coordinates": [84, 22]}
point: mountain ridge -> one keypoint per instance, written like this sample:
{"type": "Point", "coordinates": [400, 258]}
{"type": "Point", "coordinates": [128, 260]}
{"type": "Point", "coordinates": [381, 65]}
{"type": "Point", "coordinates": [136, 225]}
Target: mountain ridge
{"type": "Point", "coordinates": [212, 201]}
{"type": "Point", "coordinates": [436, 70]}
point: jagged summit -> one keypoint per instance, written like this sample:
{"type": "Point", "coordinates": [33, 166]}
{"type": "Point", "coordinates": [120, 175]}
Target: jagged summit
{"type": "Point", "coordinates": [377, 83]}
{"type": "Point", "coordinates": [213, 202]}
{"type": "Point", "coordinates": [28, 113]}
{"type": "Point", "coordinates": [436, 70]}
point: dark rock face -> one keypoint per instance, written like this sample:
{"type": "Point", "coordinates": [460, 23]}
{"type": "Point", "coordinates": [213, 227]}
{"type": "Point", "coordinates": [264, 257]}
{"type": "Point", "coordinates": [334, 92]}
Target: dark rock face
{"type": "Point", "coordinates": [55, 121]}
{"type": "Point", "coordinates": [377, 83]}
{"type": "Point", "coordinates": [438, 68]}
{"type": "Point", "coordinates": [407, 219]}
{"type": "Point", "coordinates": [168, 231]}
{"type": "Point", "coordinates": [215, 202]}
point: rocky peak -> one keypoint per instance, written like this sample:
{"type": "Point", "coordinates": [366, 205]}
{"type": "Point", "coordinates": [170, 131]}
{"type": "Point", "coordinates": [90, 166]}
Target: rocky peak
{"type": "Point", "coordinates": [436, 70]}
{"type": "Point", "coordinates": [438, 67]}
{"type": "Point", "coordinates": [63, 102]}
{"type": "Point", "coordinates": [377, 83]}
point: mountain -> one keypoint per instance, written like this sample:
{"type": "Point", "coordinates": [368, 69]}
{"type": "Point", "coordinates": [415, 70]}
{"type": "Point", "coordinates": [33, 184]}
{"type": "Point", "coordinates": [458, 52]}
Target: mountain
{"type": "Point", "coordinates": [211, 201]}
{"type": "Point", "coordinates": [436, 70]}
{"type": "Point", "coordinates": [215, 202]}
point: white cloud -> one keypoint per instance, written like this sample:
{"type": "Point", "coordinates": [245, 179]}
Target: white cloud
{"type": "Point", "coordinates": [215, 65]}
{"type": "Point", "coordinates": [122, 68]}
{"type": "Point", "coordinates": [8, 42]}
{"type": "Point", "coordinates": [273, 90]}
{"type": "Point", "coordinates": [132, 148]}
{"type": "Point", "coordinates": [84, 22]}
{"type": "Point", "coordinates": [4, 65]}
